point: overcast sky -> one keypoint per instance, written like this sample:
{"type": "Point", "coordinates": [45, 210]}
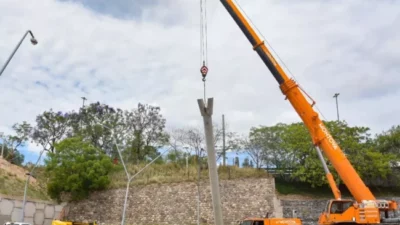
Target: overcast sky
{"type": "Point", "coordinates": [122, 52]}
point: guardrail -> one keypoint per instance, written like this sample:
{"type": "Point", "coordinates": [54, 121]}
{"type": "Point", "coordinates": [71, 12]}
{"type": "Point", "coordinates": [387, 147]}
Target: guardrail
{"type": "Point", "coordinates": [274, 171]}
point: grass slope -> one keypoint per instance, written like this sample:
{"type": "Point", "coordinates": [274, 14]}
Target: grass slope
{"type": "Point", "coordinates": [174, 173]}
{"type": "Point", "coordinates": [11, 185]}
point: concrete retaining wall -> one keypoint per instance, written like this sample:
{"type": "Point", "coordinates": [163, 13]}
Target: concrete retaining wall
{"type": "Point", "coordinates": [36, 212]}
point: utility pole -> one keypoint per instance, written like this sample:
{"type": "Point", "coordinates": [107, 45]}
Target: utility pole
{"type": "Point", "coordinates": [206, 113]}
{"type": "Point", "coordinates": [337, 107]}
{"type": "Point", "coordinates": [223, 140]}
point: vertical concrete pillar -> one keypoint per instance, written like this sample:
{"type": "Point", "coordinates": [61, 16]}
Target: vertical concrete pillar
{"type": "Point", "coordinates": [206, 113]}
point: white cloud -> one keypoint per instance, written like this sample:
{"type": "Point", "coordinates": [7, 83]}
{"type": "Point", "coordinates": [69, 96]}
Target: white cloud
{"type": "Point", "coordinates": [349, 47]}
{"type": "Point", "coordinates": [33, 147]}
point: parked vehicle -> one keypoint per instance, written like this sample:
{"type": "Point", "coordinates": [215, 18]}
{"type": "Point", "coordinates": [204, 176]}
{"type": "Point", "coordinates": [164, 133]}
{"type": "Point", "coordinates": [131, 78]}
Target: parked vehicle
{"type": "Point", "coordinates": [59, 222]}
{"type": "Point", "coordinates": [17, 223]}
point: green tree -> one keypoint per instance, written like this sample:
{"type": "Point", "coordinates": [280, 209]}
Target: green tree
{"type": "Point", "coordinates": [146, 127]}
{"type": "Point", "coordinates": [290, 146]}
{"type": "Point", "coordinates": [237, 162]}
{"type": "Point", "coordinates": [23, 132]}
{"type": "Point", "coordinates": [51, 127]}
{"type": "Point", "coordinates": [175, 156]}
{"type": "Point", "coordinates": [254, 149]}
{"type": "Point", "coordinates": [355, 142]}
{"type": "Point", "coordinates": [246, 162]}
{"type": "Point", "coordinates": [13, 142]}
{"type": "Point", "coordinates": [76, 168]}
{"type": "Point", "coordinates": [13, 156]}
{"type": "Point", "coordinates": [301, 155]}
{"type": "Point", "coordinates": [97, 122]}
{"type": "Point", "coordinates": [361, 150]}
{"type": "Point", "coordinates": [269, 141]}
{"type": "Point", "coordinates": [389, 142]}
{"type": "Point", "coordinates": [373, 166]}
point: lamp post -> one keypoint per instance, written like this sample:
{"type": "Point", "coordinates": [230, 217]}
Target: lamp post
{"type": "Point", "coordinates": [26, 186]}
{"type": "Point", "coordinates": [129, 177]}
{"type": "Point", "coordinates": [83, 106]}
{"type": "Point", "coordinates": [83, 101]}
{"type": "Point", "coordinates": [337, 107]}
{"type": "Point", "coordinates": [33, 41]}
{"type": "Point", "coordinates": [2, 146]}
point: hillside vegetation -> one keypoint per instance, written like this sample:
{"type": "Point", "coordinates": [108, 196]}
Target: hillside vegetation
{"type": "Point", "coordinates": [11, 185]}
{"type": "Point", "coordinates": [157, 173]}
{"type": "Point", "coordinates": [84, 148]}
{"type": "Point", "coordinates": [173, 173]}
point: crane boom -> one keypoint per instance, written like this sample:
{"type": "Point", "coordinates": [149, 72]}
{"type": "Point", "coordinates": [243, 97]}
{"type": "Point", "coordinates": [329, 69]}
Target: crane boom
{"type": "Point", "coordinates": [320, 135]}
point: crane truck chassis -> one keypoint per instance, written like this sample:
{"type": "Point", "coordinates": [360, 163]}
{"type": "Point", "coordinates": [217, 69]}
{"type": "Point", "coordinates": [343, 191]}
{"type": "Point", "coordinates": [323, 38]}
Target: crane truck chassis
{"type": "Point", "coordinates": [365, 208]}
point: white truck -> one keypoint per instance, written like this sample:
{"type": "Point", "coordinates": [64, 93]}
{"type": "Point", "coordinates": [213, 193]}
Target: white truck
{"type": "Point", "coordinates": [17, 223]}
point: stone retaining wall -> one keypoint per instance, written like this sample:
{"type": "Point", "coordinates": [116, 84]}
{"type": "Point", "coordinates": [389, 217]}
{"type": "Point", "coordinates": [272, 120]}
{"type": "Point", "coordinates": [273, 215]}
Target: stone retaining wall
{"type": "Point", "coordinates": [177, 203]}
{"type": "Point", "coordinates": [171, 204]}
{"type": "Point", "coordinates": [36, 212]}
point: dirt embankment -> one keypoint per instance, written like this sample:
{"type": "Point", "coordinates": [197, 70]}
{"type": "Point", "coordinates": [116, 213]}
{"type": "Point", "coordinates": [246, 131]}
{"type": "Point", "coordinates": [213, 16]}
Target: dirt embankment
{"type": "Point", "coordinates": [15, 170]}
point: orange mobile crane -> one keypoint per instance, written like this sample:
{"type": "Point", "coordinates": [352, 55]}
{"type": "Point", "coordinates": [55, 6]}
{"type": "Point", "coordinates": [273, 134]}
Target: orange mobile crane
{"type": "Point", "coordinates": [365, 208]}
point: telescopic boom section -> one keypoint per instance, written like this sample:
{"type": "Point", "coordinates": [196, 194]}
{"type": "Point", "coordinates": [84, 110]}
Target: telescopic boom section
{"type": "Point", "coordinates": [320, 135]}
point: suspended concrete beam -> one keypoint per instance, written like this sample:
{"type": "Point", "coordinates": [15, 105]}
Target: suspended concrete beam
{"type": "Point", "coordinates": [206, 113]}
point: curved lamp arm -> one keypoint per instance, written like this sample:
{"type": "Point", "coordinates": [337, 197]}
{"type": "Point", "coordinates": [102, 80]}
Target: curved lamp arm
{"type": "Point", "coordinates": [33, 41]}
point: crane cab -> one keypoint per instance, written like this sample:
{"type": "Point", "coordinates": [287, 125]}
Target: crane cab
{"type": "Point", "coordinates": [338, 206]}
{"type": "Point", "coordinates": [349, 211]}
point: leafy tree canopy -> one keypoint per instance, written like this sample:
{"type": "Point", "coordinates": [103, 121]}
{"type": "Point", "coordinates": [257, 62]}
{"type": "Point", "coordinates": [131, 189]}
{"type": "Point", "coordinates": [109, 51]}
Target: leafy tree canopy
{"type": "Point", "coordinates": [289, 146]}
{"type": "Point", "coordinates": [76, 168]}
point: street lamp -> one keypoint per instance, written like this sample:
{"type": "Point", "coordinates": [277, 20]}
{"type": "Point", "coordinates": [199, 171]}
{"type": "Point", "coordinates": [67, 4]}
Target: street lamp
{"type": "Point", "coordinates": [2, 147]}
{"type": "Point", "coordinates": [33, 41]}
{"type": "Point", "coordinates": [26, 186]}
{"type": "Point", "coordinates": [83, 101]}
{"type": "Point", "coordinates": [337, 107]}
{"type": "Point", "coordinates": [129, 177]}
{"type": "Point", "coordinates": [83, 106]}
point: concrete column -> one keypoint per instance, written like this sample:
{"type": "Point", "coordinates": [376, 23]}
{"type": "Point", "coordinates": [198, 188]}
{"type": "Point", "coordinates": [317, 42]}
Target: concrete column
{"type": "Point", "coordinates": [206, 113]}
